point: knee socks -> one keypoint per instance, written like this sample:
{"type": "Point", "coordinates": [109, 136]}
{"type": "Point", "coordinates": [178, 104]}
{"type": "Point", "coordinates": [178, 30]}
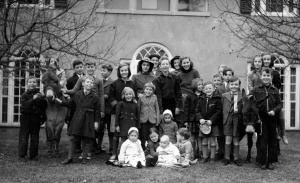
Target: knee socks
{"type": "Point", "coordinates": [227, 151]}
{"type": "Point", "coordinates": [236, 149]}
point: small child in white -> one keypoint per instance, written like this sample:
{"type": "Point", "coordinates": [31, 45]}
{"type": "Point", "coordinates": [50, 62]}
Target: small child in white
{"type": "Point", "coordinates": [168, 154]}
{"type": "Point", "coordinates": [131, 152]}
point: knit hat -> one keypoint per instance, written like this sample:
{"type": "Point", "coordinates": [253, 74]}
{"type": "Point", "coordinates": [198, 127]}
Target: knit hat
{"type": "Point", "coordinates": [151, 85]}
{"type": "Point", "coordinates": [132, 129]}
{"type": "Point", "coordinates": [167, 111]}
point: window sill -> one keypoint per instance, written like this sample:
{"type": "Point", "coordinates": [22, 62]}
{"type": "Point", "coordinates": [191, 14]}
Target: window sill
{"type": "Point", "coordinates": [153, 12]}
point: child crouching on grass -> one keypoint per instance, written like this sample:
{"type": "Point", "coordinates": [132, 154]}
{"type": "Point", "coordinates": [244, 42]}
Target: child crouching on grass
{"type": "Point", "coordinates": [152, 145]}
{"type": "Point", "coordinates": [131, 152]}
{"type": "Point", "coordinates": [168, 154]}
{"type": "Point", "coordinates": [168, 126]}
{"type": "Point", "coordinates": [185, 148]}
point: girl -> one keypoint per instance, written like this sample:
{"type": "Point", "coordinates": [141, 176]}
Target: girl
{"type": "Point", "coordinates": [155, 60]}
{"type": "Point", "coordinates": [175, 64]}
{"type": "Point", "coordinates": [185, 147]}
{"type": "Point", "coordinates": [209, 112]}
{"type": "Point", "coordinates": [149, 111]}
{"type": "Point", "coordinates": [127, 116]}
{"type": "Point", "coordinates": [115, 96]}
{"type": "Point", "coordinates": [168, 126]}
{"type": "Point", "coordinates": [254, 75]}
{"type": "Point", "coordinates": [131, 152]}
{"type": "Point", "coordinates": [152, 145]}
{"type": "Point", "coordinates": [232, 119]}
{"type": "Point", "coordinates": [143, 76]}
{"type": "Point", "coordinates": [190, 115]}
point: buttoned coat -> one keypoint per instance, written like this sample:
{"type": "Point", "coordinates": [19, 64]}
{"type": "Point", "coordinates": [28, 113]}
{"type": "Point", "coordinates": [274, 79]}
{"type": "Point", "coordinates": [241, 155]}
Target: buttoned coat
{"type": "Point", "coordinates": [87, 111]}
{"type": "Point", "coordinates": [149, 109]}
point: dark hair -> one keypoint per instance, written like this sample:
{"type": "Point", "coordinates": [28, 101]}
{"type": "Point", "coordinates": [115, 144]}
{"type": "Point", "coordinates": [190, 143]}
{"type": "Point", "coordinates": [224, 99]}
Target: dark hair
{"type": "Point", "coordinates": [90, 62]}
{"type": "Point", "coordinates": [120, 66]}
{"type": "Point", "coordinates": [208, 83]}
{"type": "Point", "coordinates": [234, 79]}
{"type": "Point", "coordinates": [139, 66]}
{"type": "Point", "coordinates": [184, 132]}
{"type": "Point", "coordinates": [267, 70]}
{"type": "Point", "coordinates": [217, 76]}
{"type": "Point", "coordinates": [191, 64]}
{"type": "Point", "coordinates": [252, 68]}
{"type": "Point", "coordinates": [31, 77]}
{"type": "Point", "coordinates": [76, 62]}
{"type": "Point", "coordinates": [153, 130]}
{"type": "Point", "coordinates": [107, 67]}
{"type": "Point", "coordinates": [195, 83]}
{"type": "Point", "coordinates": [154, 55]}
{"type": "Point", "coordinates": [173, 60]}
{"type": "Point", "coordinates": [226, 70]}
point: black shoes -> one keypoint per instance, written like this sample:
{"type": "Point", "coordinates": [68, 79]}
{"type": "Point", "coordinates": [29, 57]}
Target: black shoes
{"type": "Point", "coordinates": [226, 162]}
{"type": "Point", "coordinates": [237, 162]}
{"type": "Point", "coordinates": [139, 165]}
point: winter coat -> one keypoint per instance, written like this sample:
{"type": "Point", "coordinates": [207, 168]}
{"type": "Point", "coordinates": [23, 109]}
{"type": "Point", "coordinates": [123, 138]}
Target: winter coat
{"type": "Point", "coordinates": [151, 148]}
{"type": "Point", "coordinates": [87, 111]}
{"type": "Point", "coordinates": [168, 87]}
{"type": "Point", "coordinates": [97, 89]}
{"type": "Point", "coordinates": [127, 116]}
{"type": "Point", "coordinates": [254, 80]}
{"type": "Point", "coordinates": [149, 109]}
{"type": "Point", "coordinates": [189, 110]}
{"type": "Point", "coordinates": [186, 80]}
{"type": "Point", "coordinates": [267, 99]}
{"type": "Point", "coordinates": [170, 129]}
{"type": "Point", "coordinates": [210, 109]}
{"type": "Point", "coordinates": [106, 86]}
{"type": "Point", "coordinates": [71, 82]}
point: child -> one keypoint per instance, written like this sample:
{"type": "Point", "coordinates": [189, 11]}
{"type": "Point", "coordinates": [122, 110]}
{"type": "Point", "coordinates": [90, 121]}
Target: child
{"type": "Point", "coordinates": [33, 107]}
{"type": "Point", "coordinates": [209, 112]}
{"type": "Point", "coordinates": [268, 104]}
{"type": "Point", "coordinates": [190, 115]}
{"type": "Point", "coordinates": [254, 75]}
{"type": "Point", "coordinates": [131, 152]}
{"type": "Point", "coordinates": [115, 96]}
{"type": "Point", "coordinates": [127, 116]}
{"type": "Point", "coordinates": [185, 147]}
{"type": "Point", "coordinates": [227, 75]}
{"type": "Point", "coordinates": [105, 71]}
{"type": "Point", "coordinates": [152, 145]}
{"type": "Point", "coordinates": [168, 89]}
{"type": "Point", "coordinates": [168, 154]}
{"type": "Point", "coordinates": [51, 81]}
{"type": "Point", "coordinates": [168, 126]}
{"type": "Point", "coordinates": [149, 111]}
{"type": "Point", "coordinates": [217, 80]}
{"type": "Point", "coordinates": [175, 64]}
{"type": "Point", "coordinates": [85, 120]}
{"type": "Point", "coordinates": [232, 120]}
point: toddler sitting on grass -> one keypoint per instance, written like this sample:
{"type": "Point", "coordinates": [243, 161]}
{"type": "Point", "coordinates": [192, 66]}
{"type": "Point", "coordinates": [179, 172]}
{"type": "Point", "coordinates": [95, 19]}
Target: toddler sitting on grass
{"type": "Point", "coordinates": [168, 154]}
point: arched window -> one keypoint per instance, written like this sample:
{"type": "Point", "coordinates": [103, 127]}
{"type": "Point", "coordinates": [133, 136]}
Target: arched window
{"type": "Point", "coordinates": [146, 50]}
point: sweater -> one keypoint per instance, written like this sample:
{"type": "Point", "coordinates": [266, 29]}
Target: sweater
{"type": "Point", "coordinates": [149, 109]}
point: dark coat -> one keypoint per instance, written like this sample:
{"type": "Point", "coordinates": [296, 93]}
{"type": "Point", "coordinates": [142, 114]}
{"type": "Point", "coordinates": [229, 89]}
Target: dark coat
{"type": "Point", "coordinates": [115, 93]}
{"type": "Point", "coordinates": [106, 86]}
{"type": "Point", "coordinates": [86, 113]}
{"type": "Point", "coordinates": [190, 106]}
{"type": "Point", "coordinates": [267, 99]}
{"type": "Point", "coordinates": [210, 109]}
{"type": "Point", "coordinates": [71, 82]}
{"type": "Point", "coordinates": [140, 80]}
{"type": "Point", "coordinates": [151, 148]}
{"type": "Point", "coordinates": [168, 87]}
{"type": "Point", "coordinates": [50, 79]}
{"type": "Point", "coordinates": [127, 116]}
{"type": "Point", "coordinates": [36, 107]}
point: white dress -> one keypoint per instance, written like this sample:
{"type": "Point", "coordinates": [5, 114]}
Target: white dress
{"type": "Point", "coordinates": [131, 153]}
{"type": "Point", "coordinates": [170, 158]}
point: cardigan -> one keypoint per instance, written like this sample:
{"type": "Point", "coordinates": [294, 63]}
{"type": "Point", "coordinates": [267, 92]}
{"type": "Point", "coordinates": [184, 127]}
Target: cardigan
{"type": "Point", "coordinates": [149, 109]}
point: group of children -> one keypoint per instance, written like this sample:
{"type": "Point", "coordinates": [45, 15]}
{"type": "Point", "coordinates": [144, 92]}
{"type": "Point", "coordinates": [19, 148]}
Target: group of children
{"type": "Point", "coordinates": [177, 117]}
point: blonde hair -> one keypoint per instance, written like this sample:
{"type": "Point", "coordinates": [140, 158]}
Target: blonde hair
{"type": "Point", "coordinates": [129, 90]}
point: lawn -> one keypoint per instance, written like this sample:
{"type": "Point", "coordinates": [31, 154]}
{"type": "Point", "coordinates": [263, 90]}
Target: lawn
{"type": "Point", "coordinates": [50, 170]}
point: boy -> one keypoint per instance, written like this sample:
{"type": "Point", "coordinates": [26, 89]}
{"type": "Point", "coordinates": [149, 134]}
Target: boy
{"type": "Point", "coordinates": [97, 89]}
{"type": "Point", "coordinates": [78, 73]}
{"type": "Point", "coordinates": [33, 107]}
{"type": "Point", "coordinates": [168, 126]}
{"type": "Point", "coordinates": [269, 105]}
{"type": "Point", "coordinates": [232, 119]}
{"type": "Point", "coordinates": [85, 119]}
{"type": "Point", "coordinates": [168, 89]}
{"type": "Point", "coordinates": [105, 71]}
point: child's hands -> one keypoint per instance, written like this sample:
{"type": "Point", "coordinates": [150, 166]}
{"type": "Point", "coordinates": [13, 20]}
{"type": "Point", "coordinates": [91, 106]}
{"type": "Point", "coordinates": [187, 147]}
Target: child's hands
{"type": "Point", "coordinates": [58, 100]}
{"type": "Point", "coordinates": [64, 90]}
{"type": "Point", "coordinates": [96, 125]}
{"type": "Point", "coordinates": [140, 95]}
{"type": "Point", "coordinates": [271, 113]}
{"type": "Point", "coordinates": [202, 121]}
{"type": "Point", "coordinates": [117, 128]}
{"type": "Point", "coordinates": [208, 122]}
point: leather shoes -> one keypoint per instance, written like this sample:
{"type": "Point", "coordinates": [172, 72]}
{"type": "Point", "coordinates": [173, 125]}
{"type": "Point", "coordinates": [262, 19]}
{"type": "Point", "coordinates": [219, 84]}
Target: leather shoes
{"type": "Point", "coordinates": [271, 166]}
{"type": "Point", "coordinates": [226, 162]}
{"type": "Point", "coordinates": [67, 161]}
{"type": "Point", "coordinates": [263, 167]}
{"type": "Point", "coordinates": [237, 162]}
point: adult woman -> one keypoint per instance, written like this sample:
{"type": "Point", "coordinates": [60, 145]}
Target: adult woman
{"type": "Point", "coordinates": [175, 64]}
{"type": "Point", "coordinates": [143, 76]}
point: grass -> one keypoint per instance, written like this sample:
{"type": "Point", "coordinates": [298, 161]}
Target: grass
{"type": "Point", "coordinates": [50, 170]}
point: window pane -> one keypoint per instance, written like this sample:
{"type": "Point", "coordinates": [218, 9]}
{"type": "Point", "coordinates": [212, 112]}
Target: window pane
{"type": "Point", "coordinates": [5, 91]}
{"type": "Point", "coordinates": [293, 79]}
{"type": "Point", "coordinates": [274, 5]}
{"type": "Point", "coordinates": [116, 4]}
{"type": "Point", "coordinates": [4, 109]}
{"type": "Point", "coordinates": [163, 5]}
{"type": "Point", "coordinates": [293, 114]}
{"type": "Point", "coordinates": [292, 96]}
{"type": "Point", "coordinates": [192, 5]}
{"type": "Point", "coordinates": [293, 88]}
{"type": "Point", "coordinates": [16, 118]}
{"type": "Point", "coordinates": [293, 71]}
